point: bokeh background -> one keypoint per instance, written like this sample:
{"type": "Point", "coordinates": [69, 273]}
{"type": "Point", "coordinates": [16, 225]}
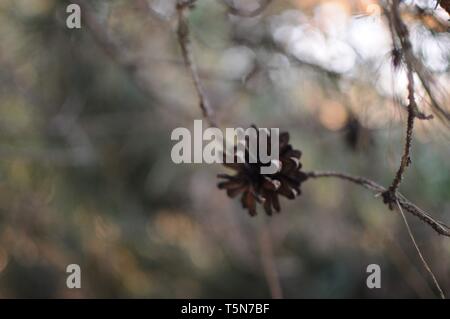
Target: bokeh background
{"type": "Point", "coordinates": [86, 175]}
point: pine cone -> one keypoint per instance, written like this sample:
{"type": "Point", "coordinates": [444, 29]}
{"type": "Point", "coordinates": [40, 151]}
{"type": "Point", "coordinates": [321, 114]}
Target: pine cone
{"type": "Point", "coordinates": [264, 189]}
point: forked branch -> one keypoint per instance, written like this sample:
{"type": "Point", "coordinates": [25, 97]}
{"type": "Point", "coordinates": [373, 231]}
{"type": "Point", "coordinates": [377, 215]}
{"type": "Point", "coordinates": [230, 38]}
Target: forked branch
{"type": "Point", "coordinates": [400, 36]}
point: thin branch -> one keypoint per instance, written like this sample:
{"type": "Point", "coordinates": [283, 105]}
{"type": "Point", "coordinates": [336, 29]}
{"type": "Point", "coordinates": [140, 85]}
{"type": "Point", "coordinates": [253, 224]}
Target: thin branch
{"type": "Point", "coordinates": [400, 32]}
{"type": "Point", "coordinates": [184, 41]}
{"type": "Point", "coordinates": [406, 157]}
{"type": "Point", "coordinates": [407, 205]}
{"type": "Point", "coordinates": [424, 262]}
{"type": "Point", "coordinates": [268, 262]}
{"type": "Point", "coordinates": [264, 238]}
{"type": "Point", "coordinates": [362, 181]}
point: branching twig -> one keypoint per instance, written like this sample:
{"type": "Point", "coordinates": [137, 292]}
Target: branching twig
{"type": "Point", "coordinates": [400, 32]}
{"type": "Point", "coordinates": [390, 194]}
{"type": "Point", "coordinates": [407, 205]}
{"type": "Point", "coordinates": [413, 112]}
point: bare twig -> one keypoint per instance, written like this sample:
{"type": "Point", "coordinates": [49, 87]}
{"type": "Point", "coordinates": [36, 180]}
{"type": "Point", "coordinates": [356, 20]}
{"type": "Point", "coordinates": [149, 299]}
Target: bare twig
{"type": "Point", "coordinates": [185, 44]}
{"type": "Point", "coordinates": [362, 181]}
{"type": "Point", "coordinates": [400, 32]}
{"type": "Point", "coordinates": [424, 262]}
{"type": "Point", "coordinates": [406, 157]}
{"type": "Point", "coordinates": [407, 205]}
{"type": "Point", "coordinates": [264, 238]}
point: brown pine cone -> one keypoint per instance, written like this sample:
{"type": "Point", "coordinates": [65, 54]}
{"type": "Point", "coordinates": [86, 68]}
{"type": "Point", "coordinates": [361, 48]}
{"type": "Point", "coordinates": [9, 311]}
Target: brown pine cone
{"type": "Point", "coordinates": [264, 189]}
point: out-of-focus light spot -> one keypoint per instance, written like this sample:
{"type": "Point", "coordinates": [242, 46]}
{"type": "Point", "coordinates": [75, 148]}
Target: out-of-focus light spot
{"type": "Point", "coordinates": [164, 8]}
{"type": "Point", "coordinates": [391, 82]}
{"type": "Point", "coordinates": [436, 52]}
{"type": "Point", "coordinates": [332, 17]}
{"type": "Point", "coordinates": [442, 14]}
{"type": "Point", "coordinates": [237, 62]}
{"type": "Point", "coordinates": [373, 9]}
{"type": "Point", "coordinates": [282, 34]}
{"type": "Point", "coordinates": [309, 45]}
{"type": "Point", "coordinates": [332, 115]}
{"type": "Point", "coordinates": [370, 7]}
{"type": "Point", "coordinates": [341, 57]}
{"type": "Point", "coordinates": [424, 4]}
{"type": "Point", "coordinates": [369, 37]}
